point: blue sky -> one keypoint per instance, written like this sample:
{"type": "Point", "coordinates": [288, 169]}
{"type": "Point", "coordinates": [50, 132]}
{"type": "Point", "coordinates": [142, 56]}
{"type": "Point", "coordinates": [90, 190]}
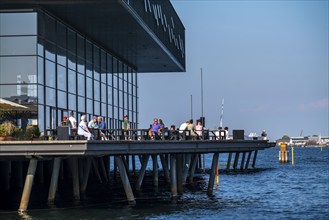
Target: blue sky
{"type": "Point", "coordinates": [267, 59]}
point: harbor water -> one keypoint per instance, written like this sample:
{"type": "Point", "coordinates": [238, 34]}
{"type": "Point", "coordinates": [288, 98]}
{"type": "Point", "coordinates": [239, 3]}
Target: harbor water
{"type": "Point", "coordinates": [272, 191]}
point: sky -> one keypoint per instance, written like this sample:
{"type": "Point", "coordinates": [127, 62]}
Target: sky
{"type": "Point", "coordinates": [268, 60]}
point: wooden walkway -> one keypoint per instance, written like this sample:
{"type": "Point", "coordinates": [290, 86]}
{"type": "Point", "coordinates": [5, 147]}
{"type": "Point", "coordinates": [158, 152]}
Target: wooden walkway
{"type": "Point", "coordinates": [179, 160]}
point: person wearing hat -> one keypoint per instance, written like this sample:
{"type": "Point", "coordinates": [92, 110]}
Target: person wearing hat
{"type": "Point", "coordinates": [126, 127]}
{"type": "Point", "coordinates": [65, 121]}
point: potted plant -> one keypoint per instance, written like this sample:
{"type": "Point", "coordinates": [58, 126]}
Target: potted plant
{"type": "Point", "coordinates": [32, 132]}
{"type": "Point", "coordinates": [7, 130]}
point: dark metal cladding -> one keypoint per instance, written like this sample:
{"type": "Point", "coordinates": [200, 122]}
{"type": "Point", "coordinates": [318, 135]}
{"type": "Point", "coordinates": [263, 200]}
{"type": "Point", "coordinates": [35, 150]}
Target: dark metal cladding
{"type": "Point", "coordinates": [151, 36]}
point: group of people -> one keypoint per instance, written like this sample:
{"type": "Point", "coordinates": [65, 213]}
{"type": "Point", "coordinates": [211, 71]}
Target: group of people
{"type": "Point", "coordinates": [195, 131]}
{"type": "Point", "coordinates": [95, 127]}
{"type": "Point", "coordinates": [222, 134]}
{"type": "Point", "coordinates": [92, 130]}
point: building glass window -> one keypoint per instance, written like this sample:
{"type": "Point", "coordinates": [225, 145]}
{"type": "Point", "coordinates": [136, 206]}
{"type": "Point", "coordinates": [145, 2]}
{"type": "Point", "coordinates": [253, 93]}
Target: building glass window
{"type": "Point", "coordinates": [72, 82]}
{"type": "Point", "coordinates": [81, 84]}
{"type": "Point", "coordinates": [24, 23]}
{"type": "Point", "coordinates": [72, 102]}
{"type": "Point", "coordinates": [17, 69]}
{"type": "Point", "coordinates": [61, 78]}
{"type": "Point", "coordinates": [49, 64]}
{"type": "Point", "coordinates": [50, 74]}
{"type": "Point", "coordinates": [18, 45]}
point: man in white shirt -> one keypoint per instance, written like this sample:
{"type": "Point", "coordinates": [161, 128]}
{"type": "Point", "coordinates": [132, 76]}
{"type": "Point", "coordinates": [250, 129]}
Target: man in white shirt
{"type": "Point", "coordinates": [73, 120]}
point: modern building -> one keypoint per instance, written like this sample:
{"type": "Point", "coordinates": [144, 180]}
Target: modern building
{"type": "Point", "coordinates": [84, 56]}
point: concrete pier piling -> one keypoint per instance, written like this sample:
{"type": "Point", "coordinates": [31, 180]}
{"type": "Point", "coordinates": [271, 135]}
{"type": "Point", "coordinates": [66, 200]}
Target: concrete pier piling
{"type": "Point", "coordinates": [173, 176]}
{"type": "Point", "coordinates": [125, 180]}
{"type": "Point", "coordinates": [236, 160]}
{"type": "Point", "coordinates": [248, 160]}
{"type": "Point", "coordinates": [28, 185]}
{"type": "Point", "coordinates": [254, 160]}
{"type": "Point", "coordinates": [54, 180]}
{"type": "Point", "coordinates": [212, 174]}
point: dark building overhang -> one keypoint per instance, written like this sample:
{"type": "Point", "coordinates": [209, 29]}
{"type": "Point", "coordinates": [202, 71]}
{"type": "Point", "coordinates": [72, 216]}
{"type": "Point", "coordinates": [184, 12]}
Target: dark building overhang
{"type": "Point", "coordinates": [146, 34]}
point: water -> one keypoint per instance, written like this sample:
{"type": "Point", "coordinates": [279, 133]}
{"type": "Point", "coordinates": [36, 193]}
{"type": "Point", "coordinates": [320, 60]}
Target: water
{"type": "Point", "coordinates": [273, 191]}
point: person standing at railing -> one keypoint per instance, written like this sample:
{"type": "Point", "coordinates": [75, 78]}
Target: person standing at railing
{"type": "Point", "coordinates": [126, 127]}
{"type": "Point", "coordinates": [72, 120]}
{"type": "Point", "coordinates": [199, 129]}
{"type": "Point", "coordinates": [191, 129]}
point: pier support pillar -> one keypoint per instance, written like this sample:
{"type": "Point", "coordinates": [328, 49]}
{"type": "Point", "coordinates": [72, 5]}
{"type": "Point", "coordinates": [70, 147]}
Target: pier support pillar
{"type": "Point", "coordinates": [54, 180]}
{"type": "Point", "coordinates": [28, 185]}
{"type": "Point", "coordinates": [212, 174]}
{"type": "Point", "coordinates": [75, 178]}
{"type": "Point", "coordinates": [236, 160]}
{"type": "Point", "coordinates": [229, 161]}
{"type": "Point", "coordinates": [248, 160]}
{"type": "Point", "coordinates": [125, 180]}
{"type": "Point", "coordinates": [254, 160]}
{"type": "Point", "coordinates": [107, 166]}
{"type": "Point", "coordinates": [186, 165]}
{"type": "Point", "coordinates": [102, 165]}
{"type": "Point", "coordinates": [144, 161]}
{"type": "Point", "coordinates": [96, 171]}
{"type": "Point", "coordinates": [193, 167]}
{"type": "Point", "coordinates": [242, 160]}
{"type": "Point", "coordinates": [179, 170]}
{"type": "Point", "coordinates": [133, 161]}
{"type": "Point", "coordinates": [86, 175]}
{"type": "Point", "coordinates": [173, 181]}
{"type": "Point", "coordinates": [165, 168]}
{"type": "Point", "coordinates": [155, 171]}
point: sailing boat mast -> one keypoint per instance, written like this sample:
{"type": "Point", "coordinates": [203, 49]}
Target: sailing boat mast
{"type": "Point", "coordinates": [221, 114]}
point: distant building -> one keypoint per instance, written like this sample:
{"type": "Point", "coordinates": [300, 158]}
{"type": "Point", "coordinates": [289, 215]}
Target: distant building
{"type": "Point", "coordinates": [303, 141]}
{"type": "Point", "coordinates": [58, 56]}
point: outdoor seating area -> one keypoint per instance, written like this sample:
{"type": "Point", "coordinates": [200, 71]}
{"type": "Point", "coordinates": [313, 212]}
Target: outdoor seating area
{"type": "Point", "coordinates": [67, 133]}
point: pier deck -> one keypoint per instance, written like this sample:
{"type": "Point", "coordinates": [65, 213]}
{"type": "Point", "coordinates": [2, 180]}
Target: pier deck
{"type": "Point", "coordinates": [94, 148]}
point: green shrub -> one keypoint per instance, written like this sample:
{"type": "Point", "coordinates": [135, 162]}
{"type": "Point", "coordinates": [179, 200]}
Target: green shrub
{"type": "Point", "coordinates": [7, 129]}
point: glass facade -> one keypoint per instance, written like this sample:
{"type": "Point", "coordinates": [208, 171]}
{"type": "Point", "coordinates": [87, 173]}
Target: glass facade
{"type": "Point", "coordinates": [53, 69]}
